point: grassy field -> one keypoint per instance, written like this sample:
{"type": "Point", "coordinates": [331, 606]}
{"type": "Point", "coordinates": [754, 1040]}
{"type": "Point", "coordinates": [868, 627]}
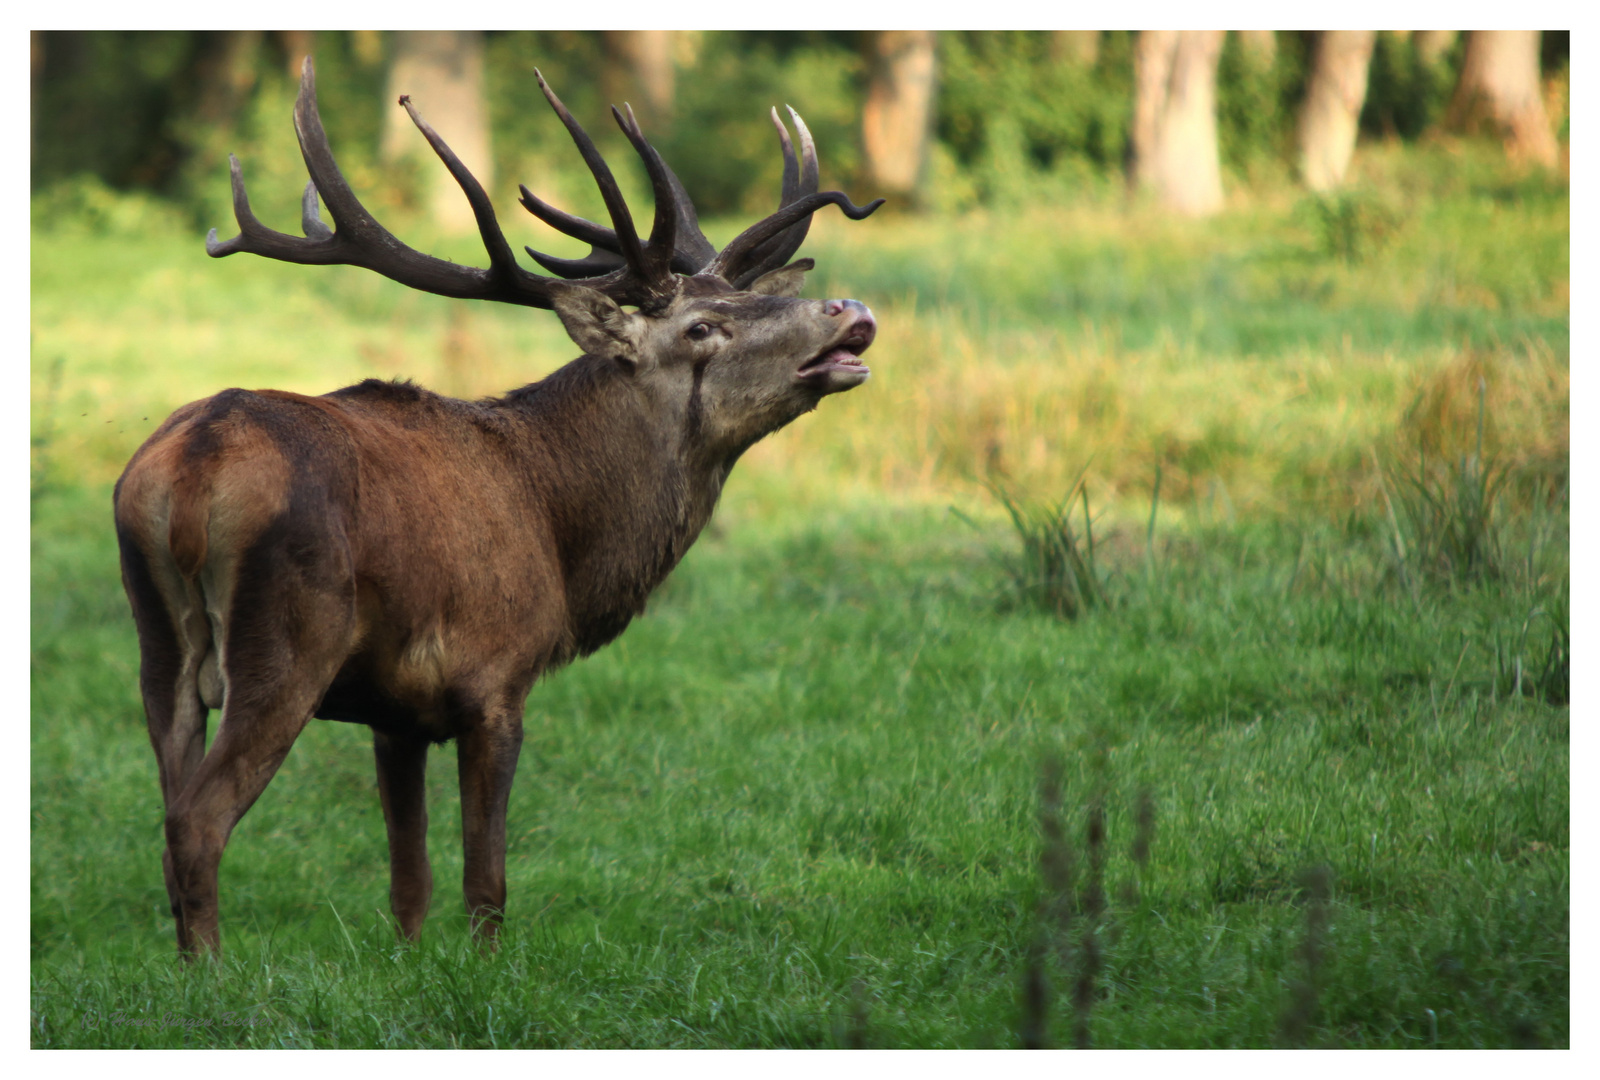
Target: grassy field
{"type": "Point", "coordinates": [1311, 751]}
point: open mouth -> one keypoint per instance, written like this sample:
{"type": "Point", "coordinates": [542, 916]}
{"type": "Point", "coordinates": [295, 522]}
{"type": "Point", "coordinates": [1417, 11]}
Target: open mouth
{"type": "Point", "coordinates": [844, 357]}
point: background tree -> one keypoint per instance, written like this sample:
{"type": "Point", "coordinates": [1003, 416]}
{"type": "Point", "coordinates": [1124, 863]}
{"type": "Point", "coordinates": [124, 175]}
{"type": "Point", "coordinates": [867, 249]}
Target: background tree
{"type": "Point", "coordinates": [442, 70]}
{"type": "Point", "coordinates": [639, 69]}
{"type": "Point", "coordinates": [1499, 92]}
{"type": "Point", "coordinates": [1331, 114]}
{"type": "Point", "coordinates": [1432, 45]}
{"type": "Point", "coordinates": [1018, 117]}
{"type": "Point", "coordinates": [1174, 136]}
{"type": "Point", "coordinates": [297, 45]}
{"type": "Point", "coordinates": [226, 74]}
{"type": "Point", "coordinates": [898, 113]}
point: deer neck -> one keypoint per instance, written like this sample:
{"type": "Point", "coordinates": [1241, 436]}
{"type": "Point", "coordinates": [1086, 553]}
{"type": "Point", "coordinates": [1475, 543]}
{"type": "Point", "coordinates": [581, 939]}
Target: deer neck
{"type": "Point", "coordinates": [628, 491]}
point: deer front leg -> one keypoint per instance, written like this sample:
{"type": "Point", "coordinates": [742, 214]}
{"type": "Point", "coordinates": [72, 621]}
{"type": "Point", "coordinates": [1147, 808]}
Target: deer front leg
{"type": "Point", "coordinates": [402, 766]}
{"type": "Point", "coordinates": [487, 760]}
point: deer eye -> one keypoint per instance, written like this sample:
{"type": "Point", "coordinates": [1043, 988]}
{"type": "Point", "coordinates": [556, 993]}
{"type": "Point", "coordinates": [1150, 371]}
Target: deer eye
{"type": "Point", "coordinates": [698, 332]}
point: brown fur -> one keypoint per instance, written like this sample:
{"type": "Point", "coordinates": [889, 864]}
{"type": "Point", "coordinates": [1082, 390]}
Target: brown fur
{"type": "Point", "coordinates": [387, 556]}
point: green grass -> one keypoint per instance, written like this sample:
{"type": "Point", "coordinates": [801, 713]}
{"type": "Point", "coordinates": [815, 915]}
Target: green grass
{"type": "Point", "coordinates": [797, 804]}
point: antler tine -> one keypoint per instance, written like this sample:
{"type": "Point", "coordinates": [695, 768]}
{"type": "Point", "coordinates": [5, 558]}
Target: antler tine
{"type": "Point", "coordinates": [664, 229]}
{"type": "Point", "coordinates": [598, 261]}
{"type": "Point", "coordinates": [320, 246]}
{"type": "Point", "coordinates": [690, 249]}
{"type": "Point", "coordinates": [693, 249]}
{"type": "Point", "coordinates": [574, 226]}
{"type": "Point", "coordinates": [501, 261]}
{"type": "Point", "coordinates": [731, 261]}
{"type": "Point", "coordinates": [798, 178]}
{"type": "Point", "coordinates": [808, 154]}
{"type": "Point", "coordinates": [791, 167]}
{"type": "Point", "coordinates": [251, 231]}
{"type": "Point", "coordinates": [621, 219]}
{"type": "Point", "coordinates": [310, 221]}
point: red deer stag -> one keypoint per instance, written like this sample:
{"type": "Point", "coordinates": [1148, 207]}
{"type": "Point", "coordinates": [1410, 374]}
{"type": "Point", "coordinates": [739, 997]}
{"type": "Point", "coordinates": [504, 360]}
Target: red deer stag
{"type": "Point", "coordinates": [391, 557]}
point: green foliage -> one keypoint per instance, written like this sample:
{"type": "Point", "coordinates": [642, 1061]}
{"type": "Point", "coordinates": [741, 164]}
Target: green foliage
{"type": "Point", "coordinates": [1009, 111]}
{"type": "Point", "coordinates": [1405, 94]}
{"type": "Point", "coordinates": [724, 148]}
{"type": "Point", "coordinates": [134, 110]}
{"type": "Point", "coordinates": [101, 104]}
{"type": "Point", "coordinates": [1256, 101]}
{"type": "Point", "coordinates": [84, 204]}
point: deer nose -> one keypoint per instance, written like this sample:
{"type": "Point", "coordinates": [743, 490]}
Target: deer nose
{"type": "Point", "coordinates": [863, 329]}
{"type": "Point", "coordinates": [862, 326]}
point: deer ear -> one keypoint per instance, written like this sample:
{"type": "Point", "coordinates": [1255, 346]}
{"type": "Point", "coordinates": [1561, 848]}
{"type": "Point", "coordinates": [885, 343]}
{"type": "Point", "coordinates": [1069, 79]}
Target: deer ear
{"type": "Point", "coordinates": [784, 281]}
{"type": "Point", "coordinates": [597, 325]}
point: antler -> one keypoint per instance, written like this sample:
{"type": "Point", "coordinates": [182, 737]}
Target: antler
{"type": "Point", "coordinates": [764, 246]}
{"type": "Point", "coordinates": [619, 264]}
{"type": "Point", "coordinates": [735, 263]}
{"type": "Point", "coordinates": [357, 238]}
{"type": "Point", "coordinates": [676, 242]}
{"type": "Point", "coordinates": [799, 179]}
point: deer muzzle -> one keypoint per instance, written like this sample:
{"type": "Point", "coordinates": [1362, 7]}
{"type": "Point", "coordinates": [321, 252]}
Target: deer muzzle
{"type": "Point", "coordinates": [839, 367]}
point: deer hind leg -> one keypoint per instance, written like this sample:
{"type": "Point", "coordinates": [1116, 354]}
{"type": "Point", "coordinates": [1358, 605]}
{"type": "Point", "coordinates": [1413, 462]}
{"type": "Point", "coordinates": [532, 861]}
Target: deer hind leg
{"type": "Point", "coordinates": [173, 641]}
{"type": "Point", "coordinates": [487, 749]}
{"type": "Point", "coordinates": [402, 766]}
{"type": "Point", "coordinates": [289, 628]}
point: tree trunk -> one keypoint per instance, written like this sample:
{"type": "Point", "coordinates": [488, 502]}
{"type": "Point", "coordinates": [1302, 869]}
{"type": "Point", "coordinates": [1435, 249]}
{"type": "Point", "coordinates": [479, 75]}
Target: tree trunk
{"type": "Point", "coordinates": [297, 45]}
{"type": "Point", "coordinates": [1332, 111]}
{"type": "Point", "coordinates": [225, 73]}
{"type": "Point", "coordinates": [1431, 45]}
{"type": "Point", "coordinates": [1174, 144]}
{"type": "Point", "coordinates": [899, 110]}
{"type": "Point", "coordinates": [639, 69]}
{"type": "Point", "coordinates": [1499, 90]}
{"type": "Point", "coordinates": [1262, 45]}
{"type": "Point", "coordinates": [36, 60]}
{"type": "Point", "coordinates": [1081, 47]}
{"type": "Point", "coordinates": [442, 70]}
